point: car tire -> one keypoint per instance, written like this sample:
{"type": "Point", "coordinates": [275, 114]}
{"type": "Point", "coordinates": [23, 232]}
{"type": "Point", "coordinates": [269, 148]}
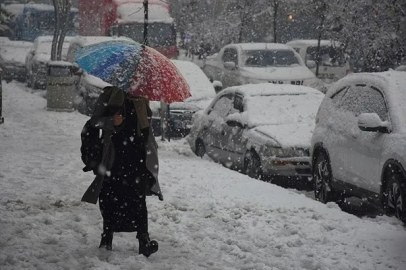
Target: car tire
{"type": "Point", "coordinates": [200, 150]}
{"type": "Point", "coordinates": [253, 165]}
{"type": "Point", "coordinates": [395, 197]}
{"type": "Point", "coordinates": [322, 177]}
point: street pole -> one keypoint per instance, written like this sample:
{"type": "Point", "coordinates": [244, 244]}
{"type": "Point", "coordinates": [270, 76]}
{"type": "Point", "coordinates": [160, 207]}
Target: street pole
{"type": "Point", "coordinates": [146, 22]}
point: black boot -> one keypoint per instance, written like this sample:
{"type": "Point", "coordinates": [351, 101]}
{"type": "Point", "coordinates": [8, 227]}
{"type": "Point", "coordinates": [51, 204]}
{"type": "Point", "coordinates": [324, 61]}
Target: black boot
{"type": "Point", "coordinates": [106, 240]}
{"type": "Point", "coordinates": [147, 247]}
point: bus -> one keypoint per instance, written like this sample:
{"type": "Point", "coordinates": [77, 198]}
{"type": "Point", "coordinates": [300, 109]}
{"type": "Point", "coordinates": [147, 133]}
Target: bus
{"type": "Point", "coordinates": [32, 20]}
{"type": "Point", "coordinates": [126, 18]}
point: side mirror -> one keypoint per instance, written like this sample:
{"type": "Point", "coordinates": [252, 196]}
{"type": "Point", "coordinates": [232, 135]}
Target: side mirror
{"type": "Point", "coordinates": [230, 65]}
{"type": "Point", "coordinates": [218, 86]}
{"type": "Point", "coordinates": [234, 123]}
{"type": "Point", "coordinates": [311, 64]}
{"type": "Point", "coordinates": [372, 122]}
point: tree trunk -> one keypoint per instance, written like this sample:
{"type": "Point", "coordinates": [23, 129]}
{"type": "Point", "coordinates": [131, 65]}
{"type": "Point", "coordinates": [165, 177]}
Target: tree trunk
{"type": "Point", "coordinates": [275, 16]}
{"type": "Point", "coordinates": [318, 45]}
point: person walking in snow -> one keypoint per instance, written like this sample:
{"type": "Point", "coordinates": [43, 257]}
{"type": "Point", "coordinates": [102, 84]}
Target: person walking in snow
{"type": "Point", "coordinates": [129, 168]}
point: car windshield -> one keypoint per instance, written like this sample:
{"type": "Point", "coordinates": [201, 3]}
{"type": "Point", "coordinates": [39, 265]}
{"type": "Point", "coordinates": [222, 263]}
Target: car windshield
{"type": "Point", "coordinates": [286, 109]}
{"type": "Point", "coordinates": [329, 56]}
{"type": "Point", "coordinates": [269, 58]}
{"type": "Point", "coordinates": [159, 34]}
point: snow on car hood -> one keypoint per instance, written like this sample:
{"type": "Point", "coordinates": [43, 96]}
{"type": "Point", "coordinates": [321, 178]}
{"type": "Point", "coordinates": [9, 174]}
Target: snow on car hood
{"type": "Point", "coordinates": [290, 135]}
{"type": "Point", "coordinates": [43, 57]}
{"type": "Point", "coordinates": [277, 73]}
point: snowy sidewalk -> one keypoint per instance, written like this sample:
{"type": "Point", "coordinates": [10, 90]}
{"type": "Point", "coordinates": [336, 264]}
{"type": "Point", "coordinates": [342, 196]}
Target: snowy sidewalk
{"type": "Point", "coordinates": [211, 218]}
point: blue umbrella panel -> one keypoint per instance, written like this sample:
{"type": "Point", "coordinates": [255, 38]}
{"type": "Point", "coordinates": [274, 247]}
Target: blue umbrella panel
{"type": "Point", "coordinates": [114, 62]}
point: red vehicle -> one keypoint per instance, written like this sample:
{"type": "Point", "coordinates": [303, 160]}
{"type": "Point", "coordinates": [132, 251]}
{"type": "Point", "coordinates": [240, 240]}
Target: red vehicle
{"type": "Point", "coordinates": [126, 18]}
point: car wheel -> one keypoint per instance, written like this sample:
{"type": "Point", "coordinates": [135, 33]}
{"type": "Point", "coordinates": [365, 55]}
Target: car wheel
{"type": "Point", "coordinates": [395, 197]}
{"type": "Point", "coordinates": [322, 177]}
{"type": "Point", "coordinates": [253, 165]}
{"type": "Point", "coordinates": [200, 150]}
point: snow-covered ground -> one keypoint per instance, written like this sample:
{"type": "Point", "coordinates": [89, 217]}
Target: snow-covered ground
{"type": "Point", "coordinates": [211, 218]}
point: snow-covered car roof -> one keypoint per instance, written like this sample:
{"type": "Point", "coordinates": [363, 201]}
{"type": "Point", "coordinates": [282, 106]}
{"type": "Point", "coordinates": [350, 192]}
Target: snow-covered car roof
{"type": "Point", "coordinates": [262, 46]}
{"type": "Point", "coordinates": [266, 89]}
{"type": "Point", "coordinates": [200, 86]}
{"type": "Point", "coordinates": [391, 83]}
{"type": "Point", "coordinates": [14, 50]}
{"type": "Point", "coordinates": [313, 42]}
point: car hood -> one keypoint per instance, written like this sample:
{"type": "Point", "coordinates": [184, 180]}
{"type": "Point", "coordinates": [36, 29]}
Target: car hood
{"type": "Point", "coordinates": [291, 135]}
{"type": "Point", "coordinates": [277, 73]}
{"type": "Point", "coordinates": [191, 105]}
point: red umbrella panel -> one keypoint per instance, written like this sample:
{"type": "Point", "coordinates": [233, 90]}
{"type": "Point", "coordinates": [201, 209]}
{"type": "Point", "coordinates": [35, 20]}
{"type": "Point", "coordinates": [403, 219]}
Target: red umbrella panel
{"type": "Point", "coordinates": [157, 78]}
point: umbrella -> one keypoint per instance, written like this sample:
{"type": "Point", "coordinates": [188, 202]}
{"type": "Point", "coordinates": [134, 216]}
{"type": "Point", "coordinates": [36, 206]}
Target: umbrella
{"type": "Point", "coordinates": [135, 68]}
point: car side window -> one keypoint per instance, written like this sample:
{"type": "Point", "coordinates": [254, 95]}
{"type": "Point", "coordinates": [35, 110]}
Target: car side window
{"type": "Point", "coordinates": [223, 106]}
{"type": "Point", "coordinates": [230, 55]}
{"type": "Point", "coordinates": [365, 99]}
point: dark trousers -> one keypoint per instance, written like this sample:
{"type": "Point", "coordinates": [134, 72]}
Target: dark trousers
{"type": "Point", "coordinates": [123, 206]}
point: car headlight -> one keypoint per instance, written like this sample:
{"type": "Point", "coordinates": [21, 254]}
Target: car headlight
{"type": "Point", "coordinates": [296, 152]}
{"type": "Point", "coordinates": [286, 152]}
{"type": "Point", "coordinates": [273, 151]}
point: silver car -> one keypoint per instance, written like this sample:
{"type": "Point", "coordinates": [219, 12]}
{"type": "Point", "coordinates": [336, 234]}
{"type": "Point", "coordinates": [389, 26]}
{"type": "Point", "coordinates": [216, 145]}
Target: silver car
{"type": "Point", "coordinates": [37, 58]}
{"type": "Point", "coordinates": [358, 146]}
{"type": "Point", "coordinates": [263, 130]}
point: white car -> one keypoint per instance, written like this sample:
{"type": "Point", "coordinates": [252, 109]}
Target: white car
{"type": "Point", "coordinates": [263, 130]}
{"type": "Point", "coordinates": [358, 145]}
{"type": "Point", "coordinates": [334, 63]}
{"type": "Point", "coordinates": [247, 63]}
{"type": "Point", "coordinates": [38, 57]}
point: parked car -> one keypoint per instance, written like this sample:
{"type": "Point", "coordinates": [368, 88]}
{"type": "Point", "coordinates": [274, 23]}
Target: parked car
{"type": "Point", "coordinates": [334, 62]}
{"type": "Point", "coordinates": [12, 55]}
{"type": "Point", "coordinates": [263, 130]}
{"type": "Point", "coordinates": [358, 146]}
{"type": "Point", "coordinates": [181, 113]}
{"type": "Point", "coordinates": [245, 63]}
{"type": "Point", "coordinates": [37, 59]}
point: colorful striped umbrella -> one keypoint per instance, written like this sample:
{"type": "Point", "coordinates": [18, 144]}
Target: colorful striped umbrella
{"type": "Point", "coordinates": [135, 68]}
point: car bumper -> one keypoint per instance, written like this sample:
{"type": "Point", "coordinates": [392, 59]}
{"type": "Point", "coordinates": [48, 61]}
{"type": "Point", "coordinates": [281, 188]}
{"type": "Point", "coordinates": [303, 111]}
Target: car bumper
{"type": "Point", "coordinates": [292, 167]}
